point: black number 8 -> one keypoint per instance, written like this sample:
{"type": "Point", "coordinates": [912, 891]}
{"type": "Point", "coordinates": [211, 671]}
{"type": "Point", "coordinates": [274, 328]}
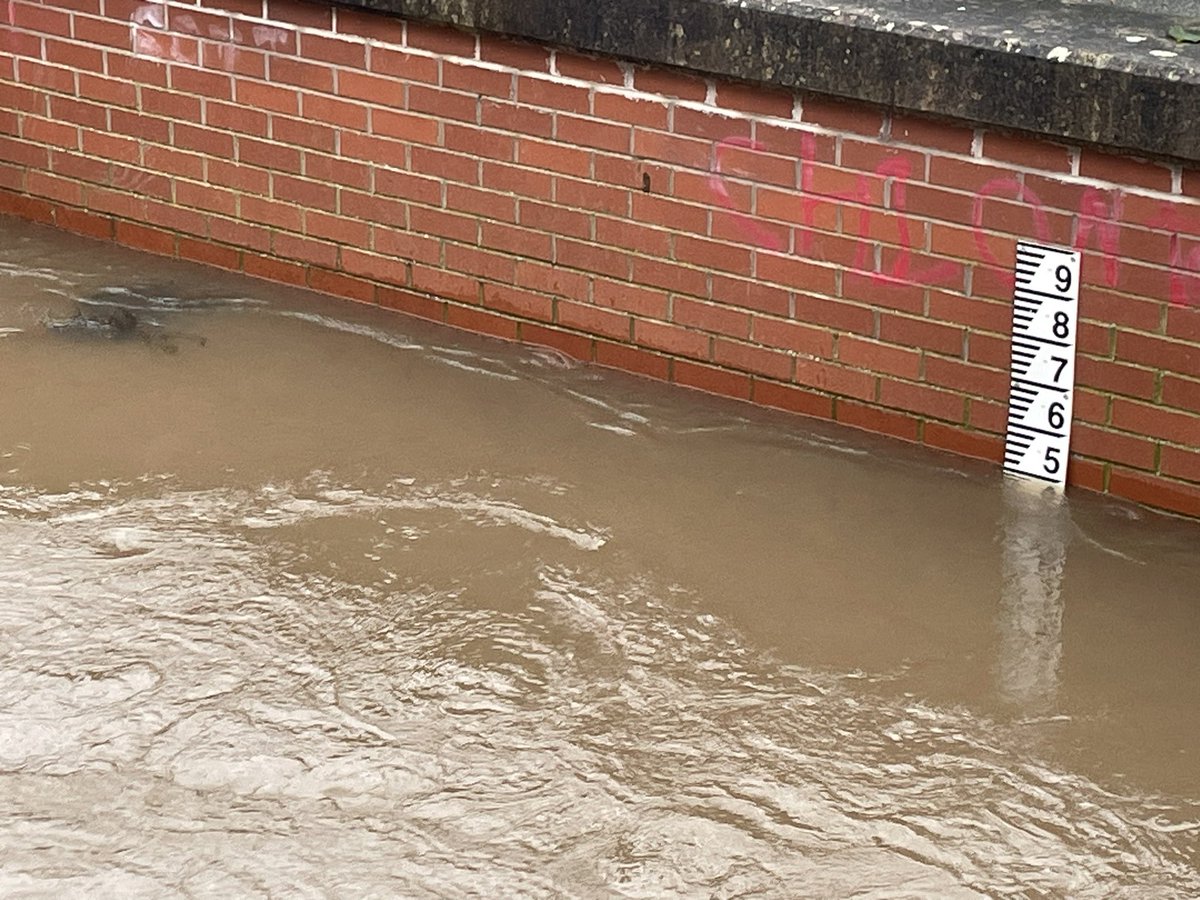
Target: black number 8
{"type": "Point", "coordinates": [1062, 326]}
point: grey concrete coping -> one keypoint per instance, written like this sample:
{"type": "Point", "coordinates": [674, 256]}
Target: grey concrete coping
{"type": "Point", "coordinates": [1100, 72]}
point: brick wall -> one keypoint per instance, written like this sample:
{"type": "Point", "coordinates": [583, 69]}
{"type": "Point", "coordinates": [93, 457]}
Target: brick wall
{"type": "Point", "coordinates": [800, 252]}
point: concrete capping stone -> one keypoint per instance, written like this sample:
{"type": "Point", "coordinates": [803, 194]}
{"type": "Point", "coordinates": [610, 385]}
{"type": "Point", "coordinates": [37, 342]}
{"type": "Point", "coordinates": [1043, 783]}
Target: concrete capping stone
{"type": "Point", "coordinates": [1090, 72]}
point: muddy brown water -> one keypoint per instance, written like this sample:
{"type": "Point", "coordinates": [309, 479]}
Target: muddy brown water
{"type": "Point", "coordinates": [334, 603]}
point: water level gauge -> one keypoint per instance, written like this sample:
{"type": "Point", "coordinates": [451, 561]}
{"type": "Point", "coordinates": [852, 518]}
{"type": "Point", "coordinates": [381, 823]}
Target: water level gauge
{"type": "Point", "coordinates": [1045, 313]}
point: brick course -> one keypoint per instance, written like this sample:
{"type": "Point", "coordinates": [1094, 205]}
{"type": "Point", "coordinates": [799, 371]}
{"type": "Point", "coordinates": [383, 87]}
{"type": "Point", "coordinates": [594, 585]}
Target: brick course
{"type": "Point", "coordinates": [801, 252]}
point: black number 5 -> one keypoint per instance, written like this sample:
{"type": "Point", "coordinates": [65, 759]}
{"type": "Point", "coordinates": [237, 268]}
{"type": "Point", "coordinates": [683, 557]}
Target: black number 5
{"type": "Point", "coordinates": [1052, 463]}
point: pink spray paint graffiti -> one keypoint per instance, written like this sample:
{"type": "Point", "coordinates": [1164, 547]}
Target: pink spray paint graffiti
{"type": "Point", "coordinates": [1098, 222]}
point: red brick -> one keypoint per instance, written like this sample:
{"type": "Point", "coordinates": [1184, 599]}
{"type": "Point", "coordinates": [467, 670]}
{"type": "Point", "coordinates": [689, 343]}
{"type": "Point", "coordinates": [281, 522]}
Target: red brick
{"type": "Point", "coordinates": [406, 245]}
{"type": "Point", "coordinates": [670, 83]}
{"type": "Point", "coordinates": [268, 155]}
{"type": "Point", "coordinates": [555, 219]}
{"type": "Point", "coordinates": [510, 117]}
{"type": "Point", "coordinates": [370, 24]}
{"type": "Point", "coordinates": [672, 149]}
{"type": "Point", "coordinates": [1123, 170]}
{"type": "Point", "coordinates": [553, 95]}
{"type": "Point", "coordinates": [515, 54]}
{"type": "Point", "coordinates": [1156, 421]}
{"type": "Point", "coordinates": [45, 131]}
{"type": "Point", "coordinates": [33, 209]}
{"type": "Point", "coordinates": [79, 57]}
{"type": "Point", "coordinates": [236, 118]}
{"type": "Point", "coordinates": [632, 359]}
{"type": "Point", "coordinates": [879, 421]}
{"type": "Point", "coordinates": [1085, 473]}
{"type": "Point", "coordinates": [671, 339]}
{"type": "Point", "coordinates": [412, 304]}
{"type": "Point", "coordinates": [707, 317]}
{"type": "Point", "coordinates": [1158, 352]}
{"type": "Point", "coordinates": [204, 197]}
{"type": "Point", "coordinates": [272, 269]}
{"type": "Point", "coordinates": [925, 333]}
{"type": "Point", "coordinates": [590, 258]}
{"type": "Point", "coordinates": [670, 276]}
{"type": "Point", "coordinates": [335, 228]}
{"type": "Point", "coordinates": [755, 99]}
{"type": "Point", "coordinates": [526, 304]}
{"type": "Point", "coordinates": [748, 358]}
{"type": "Point", "coordinates": [709, 124]}
{"type": "Point", "coordinates": [835, 313]}
{"type": "Point", "coordinates": [485, 204]}
{"type": "Point", "coordinates": [976, 444]}
{"type": "Point", "coordinates": [922, 399]}
{"type": "Point", "coordinates": [924, 132]}
{"type": "Point", "coordinates": [481, 322]}
{"type": "Point", "coordinates": [592, 133]}
{"type": "Point", "coordinates": [43, 184]}
{"type": "Point", "coordinates": [594, 194]}
{"type": "Point", "coordinates": [301, 12]}
{"type": "Point", "coordinates": [518, 241]}
{"type": "Point", "coordinates": [448, 284]}
{"type": "Point", "coordinates": [836, 379]}
{"type": "Point", "coordinates": [483, 263]}
{"type": "Point", "coordinates": [1105, 375]}
{"type": "Point", "coordinates": [476, 141]}
{"type": "Point", "coordinates": [274, 98]}
{"type": "Point", "coordinates": [550, 279]}
{"type": "Point", "coordinates": [308, 75]}
{"type": "Point", "coordinates": [240, 234]}
{"type": "Point", "coordinates": [597, 70]}
{"type": "Point", "coordinates": [594, 320]}
{"type": "Point", "coordinates": [398, 68]}
{"type": "Point", "coordinates": [966, 378]}
{"type": "Point", "coordinates": [78, 221]}
{"type": "Point", "coordinates": [1181, 393]}
{"type": "Point", "coordinates": [405, 126]}
{"type": "Point", "coordinates": [339, 285]}
{"type": "Point", "coordinates": [343, 172]}
{"type": "Point", "coordinates": [203, 140]}
{"type": "Point", "coordinates": [715, 255]}
{"type": "Point", "coordinates": [476, 80]}
{"type": "Point", "coordinates": [632, 298]}
{"type": "Point", "coordinates": [440, 39]}
{"type": "Point", "coordinates": [440, 164]}
{"type": "Point", "coordinates": [352, 54]}
{"type": "Point", "coordinates": [637, 111]}
{"type": "Point", "coordinates": [841, 114]}
{"type": "Point", "coordinates": [210, 254]}
{"type": "Point", "coordinates": [319, 253]}
{"type": "Point", "coordinates": [269, 212]}
{"type": "Point", "coordinates": [1112, 446]}
{"type": "Point", "coordinates": [796, 273]}
{"type": "Point", "coordinates": [879, 290]}
{"type": "Point", "coordinates": [792, 399]}
{"type": "Point", "coordinates": [632, 236]}
{"type": "Point", "coordinates": [1027, 152]}
{"type": "Point", "coordinates": [145, 238]}
{"type": "Point", "coordinates": [1155, 491]}
{"type": "Point", "coordinates": [105, 32]}
{"type": "Point", "coordinates": [1180, 463]}
{"type": "Point", "coordinates": [554, 157]}
{"type": "Point", "coordinates": [444, 224]}
{"type": "Point", "coordinates": [711, 380]}
{"type": "Point", "coordinates": [877, 357]}
{"type": "Point", "coordinates": [669, 213]}
{"type": "Point", "coordinates": [749, 294]}
{"type": "Point", "coordinates": [802, 339]}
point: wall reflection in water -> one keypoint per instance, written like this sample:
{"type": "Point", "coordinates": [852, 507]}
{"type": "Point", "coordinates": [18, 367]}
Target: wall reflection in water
{"type": "Point", "coordinates": [1034, 536]}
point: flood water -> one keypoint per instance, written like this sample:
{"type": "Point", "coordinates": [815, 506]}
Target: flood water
{"type": "Point", "coordinates": [300, 598]}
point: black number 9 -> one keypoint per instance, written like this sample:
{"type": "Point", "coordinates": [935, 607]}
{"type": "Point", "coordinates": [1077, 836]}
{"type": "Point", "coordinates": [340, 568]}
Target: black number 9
{"type": "Point", "coordinates": [1062, 275]}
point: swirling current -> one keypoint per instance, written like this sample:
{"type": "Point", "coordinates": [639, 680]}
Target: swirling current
{"type": "Point", "coordinates": [323, 602]}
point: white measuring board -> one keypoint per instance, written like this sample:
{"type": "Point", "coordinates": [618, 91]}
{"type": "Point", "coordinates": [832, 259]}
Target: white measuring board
{"type": "Point", "coordinates": [1042, 386]}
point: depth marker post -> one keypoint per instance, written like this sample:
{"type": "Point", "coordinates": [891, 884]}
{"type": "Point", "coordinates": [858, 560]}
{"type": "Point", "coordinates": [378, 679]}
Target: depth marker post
{"type": "Point", "coordinates": [1042, 385]}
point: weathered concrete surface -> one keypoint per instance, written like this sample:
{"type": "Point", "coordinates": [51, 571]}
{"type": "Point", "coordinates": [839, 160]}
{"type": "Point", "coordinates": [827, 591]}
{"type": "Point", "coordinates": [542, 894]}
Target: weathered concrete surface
{"type": "Point", "coordinates": [1084, 71]}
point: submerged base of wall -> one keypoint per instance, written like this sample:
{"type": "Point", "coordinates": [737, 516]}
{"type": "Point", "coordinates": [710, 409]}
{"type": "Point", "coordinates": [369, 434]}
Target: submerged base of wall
{"type": "Point", "coordinates": [834, 259]}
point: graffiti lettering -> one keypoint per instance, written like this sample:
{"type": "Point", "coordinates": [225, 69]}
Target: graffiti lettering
{"type": "Point", "coordinates": [1098, 224]}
